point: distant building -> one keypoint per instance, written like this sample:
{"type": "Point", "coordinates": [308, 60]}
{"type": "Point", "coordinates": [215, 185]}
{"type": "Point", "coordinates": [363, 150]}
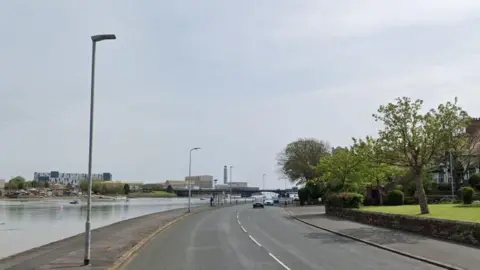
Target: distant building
{"type": "Point", "coordinates": [73, 179]}
{"type": "Point", "coordinates": [175, 184]}
{"type": "Point", "coordinates": [202, 181]}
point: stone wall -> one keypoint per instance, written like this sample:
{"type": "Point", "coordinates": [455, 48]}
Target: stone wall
{"type": "Point", "coordinates": [463, 232]}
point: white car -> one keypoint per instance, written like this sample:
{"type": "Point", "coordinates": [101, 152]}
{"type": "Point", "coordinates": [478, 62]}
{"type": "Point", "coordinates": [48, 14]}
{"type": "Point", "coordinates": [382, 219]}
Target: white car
{"type": "Point", "coordinates": [268, 202]}
{"type": "Point", "coordinates": [258, 202]}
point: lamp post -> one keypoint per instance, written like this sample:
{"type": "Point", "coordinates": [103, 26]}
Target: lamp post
{"type": "Point", "coordinates": [190, 176]}
{"type": "Point", "coordinates": [88, 239]}
{"type": "Point", "coordinates": [263, 181]}
{"type": "Point", "coordinates": [231, 167]}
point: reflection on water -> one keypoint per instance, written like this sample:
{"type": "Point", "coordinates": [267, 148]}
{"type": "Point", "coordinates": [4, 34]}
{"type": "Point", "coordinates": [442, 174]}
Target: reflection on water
{"type": "Point", "coordinates": [24, 225]}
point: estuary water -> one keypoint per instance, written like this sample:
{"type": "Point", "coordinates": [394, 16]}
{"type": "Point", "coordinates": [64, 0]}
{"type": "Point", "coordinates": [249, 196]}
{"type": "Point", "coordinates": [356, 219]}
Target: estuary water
{"type": "Point", "coordinates": [28, 224]}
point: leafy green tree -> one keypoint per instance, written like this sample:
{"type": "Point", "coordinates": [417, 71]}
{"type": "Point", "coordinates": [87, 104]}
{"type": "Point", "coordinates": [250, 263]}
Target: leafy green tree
{"type": "Point", "coordinates": [17, 182]}
{"type": "Point", "coordinates": [374, 168]}
{"type": "Point", "coordinates": [169, 189]}
{"type": "Point", "coordinates": [31, 184]}
{"type": "Point", "coordinates": [414, 140]}
{"type": "Point", "coordinates": [341, 171]}
{"type": "Point", "coordinates": [84, 185]}
{"type": "Point", "coordinates": [299, 159]}
{"type": "Point", "coordinates": [126, 189]}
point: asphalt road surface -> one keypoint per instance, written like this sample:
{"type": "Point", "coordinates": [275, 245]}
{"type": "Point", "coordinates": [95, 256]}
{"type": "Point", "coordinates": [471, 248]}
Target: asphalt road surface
{"type": "Point", "coordinates": [240, 237]}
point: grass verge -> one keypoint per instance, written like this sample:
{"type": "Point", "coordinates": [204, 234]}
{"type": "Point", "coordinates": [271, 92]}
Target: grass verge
{"type": "Point", "coordinates": [443, 211]}
{"type": "Point", "coordinates": [154, 194]}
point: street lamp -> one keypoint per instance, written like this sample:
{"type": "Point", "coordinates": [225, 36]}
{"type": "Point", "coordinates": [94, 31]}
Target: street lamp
{"type": "Point", "coordinates": [231, 167]}
{"type": "Point", "coordinates": [263, 181]}
{"type": "Point", "coordinates": [190, 176]}
{"type": "Point", "coordinates": [88, 239]}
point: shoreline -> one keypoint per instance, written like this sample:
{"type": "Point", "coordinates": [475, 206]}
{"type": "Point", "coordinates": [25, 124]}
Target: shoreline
{"type": "Point", "coordinates": [111, 241]}
{"type": "Point", "coordinates": [96, 198]}
{"type": "Point", "coordinates": [75, 242]}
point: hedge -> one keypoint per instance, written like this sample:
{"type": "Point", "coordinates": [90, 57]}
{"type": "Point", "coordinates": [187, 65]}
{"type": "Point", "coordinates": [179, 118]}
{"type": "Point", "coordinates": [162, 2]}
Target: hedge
{"type": "Point", "coordinates": [345, 200]}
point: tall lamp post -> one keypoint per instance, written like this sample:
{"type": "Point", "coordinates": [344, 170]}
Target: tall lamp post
{"type": "Point", "coordinates": [88, 238]}
{"type": "Point", "coordinates": [231, 167]}
{"type": "Point", "coordinates": [263, 181]}
{"type": "Point", "coordinates": [190, 176]}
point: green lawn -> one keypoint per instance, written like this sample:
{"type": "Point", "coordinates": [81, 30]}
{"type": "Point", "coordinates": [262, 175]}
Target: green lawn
{"type": "Point", "coordinates": [153, 194]}
{"type": "Point", "coordinates": [444, 211]}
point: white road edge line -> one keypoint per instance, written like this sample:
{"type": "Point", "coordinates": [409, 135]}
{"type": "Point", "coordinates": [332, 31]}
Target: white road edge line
{"type": "Point", "coordinates": [255, 241]}
{"type": "Point", "coordinates": [238, 221]}
{"type": "Point", "coordinates": [280, 262]}
{"type": "Point", "coordinates": [243, 229]}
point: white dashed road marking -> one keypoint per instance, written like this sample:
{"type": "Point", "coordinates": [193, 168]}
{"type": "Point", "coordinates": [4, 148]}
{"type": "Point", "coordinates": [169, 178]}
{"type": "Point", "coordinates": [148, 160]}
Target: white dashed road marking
{"type": "Point", "coordinates": [260, 245]}
{"type": "Point", "coordinates": [255, 241]}
{"type": "Point", "coordinates": [280, 262]}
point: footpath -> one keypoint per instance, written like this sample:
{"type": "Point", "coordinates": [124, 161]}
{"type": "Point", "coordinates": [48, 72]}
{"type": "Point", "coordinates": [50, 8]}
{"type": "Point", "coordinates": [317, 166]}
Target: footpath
{"type": "Point", "coordinates": [453, 256]}
{"type": "Point", "coordinates": [109, 244]}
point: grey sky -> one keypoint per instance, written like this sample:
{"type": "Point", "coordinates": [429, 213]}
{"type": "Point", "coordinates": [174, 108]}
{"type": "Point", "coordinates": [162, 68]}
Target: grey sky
{"type": "Point", "coordinates": [240, 79]}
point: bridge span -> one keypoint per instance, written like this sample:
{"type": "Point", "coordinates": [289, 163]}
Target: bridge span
{"type": "Point", "coordinates": [236, 191]}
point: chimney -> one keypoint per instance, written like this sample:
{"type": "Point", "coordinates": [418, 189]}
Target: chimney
{"type": "Point", "coordinates": [225, 173]}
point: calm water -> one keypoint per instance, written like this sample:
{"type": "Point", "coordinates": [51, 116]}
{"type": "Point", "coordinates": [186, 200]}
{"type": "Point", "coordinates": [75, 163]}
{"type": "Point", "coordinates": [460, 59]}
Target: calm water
{"type": "Point", "coordinates": [25, 225]}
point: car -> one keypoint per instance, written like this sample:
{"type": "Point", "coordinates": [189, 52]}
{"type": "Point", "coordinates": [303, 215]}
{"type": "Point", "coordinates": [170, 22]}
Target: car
{"type": "Point", "coordinates": [268, 202]}
{"type": "Point", "coordinates": [258, 202]}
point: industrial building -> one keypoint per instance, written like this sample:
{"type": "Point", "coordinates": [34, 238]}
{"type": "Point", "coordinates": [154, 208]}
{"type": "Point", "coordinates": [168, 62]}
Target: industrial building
{"type": "Point", "coordinates": [202, 181]}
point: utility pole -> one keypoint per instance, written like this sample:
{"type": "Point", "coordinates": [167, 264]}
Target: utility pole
{"type": "Point", "coordinates": [231, 167]}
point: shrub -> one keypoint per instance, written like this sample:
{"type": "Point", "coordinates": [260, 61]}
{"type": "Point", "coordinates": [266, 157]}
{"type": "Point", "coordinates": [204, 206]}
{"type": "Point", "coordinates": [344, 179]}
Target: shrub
{"type": "Point", "coordinates": [467, 195]}
{"type": "Point", "coordinates": [431, 199]}
{"type": "Point", "coordinates": [345, 200]}
{"type": "Point", "coordinates": [474, 180]}
{"type": "Point", "coordinates": [395, 197]}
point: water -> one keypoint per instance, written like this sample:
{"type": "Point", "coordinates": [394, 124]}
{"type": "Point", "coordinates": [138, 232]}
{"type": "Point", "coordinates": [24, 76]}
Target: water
{"type": "Point", "coordinates": [25, 225]}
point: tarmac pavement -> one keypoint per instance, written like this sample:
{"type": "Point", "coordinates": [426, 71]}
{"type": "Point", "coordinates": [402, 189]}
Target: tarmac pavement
{"type": "Point", "coordinates": [239, 238]}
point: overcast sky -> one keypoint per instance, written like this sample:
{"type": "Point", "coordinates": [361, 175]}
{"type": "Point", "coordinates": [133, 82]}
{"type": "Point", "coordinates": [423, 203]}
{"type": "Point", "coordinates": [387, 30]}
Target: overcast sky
{"type": "Point", "coordinates": [240, 79]}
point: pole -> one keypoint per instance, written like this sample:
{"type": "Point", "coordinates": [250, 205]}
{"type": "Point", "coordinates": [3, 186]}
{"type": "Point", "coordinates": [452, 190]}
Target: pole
{"type": "Point", "coordinates": [88, 238]}
{"type": "Point", "coordinates": [231, 184]}
{"type": "Point", "coordinates": [263, 181]}
{"type": "Point", "coordinates": [189, 179]}
{"type": "Point", "coordinates": [451, 174]}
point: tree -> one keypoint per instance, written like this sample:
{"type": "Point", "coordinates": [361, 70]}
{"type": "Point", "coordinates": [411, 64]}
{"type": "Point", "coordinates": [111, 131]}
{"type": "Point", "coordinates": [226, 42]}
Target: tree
{"type": "Point", "coordinates": [17, 182]}
{"type": "Point", "coordinates": [32, 184]}
{"type": "Point", "coordinates": [299, 159]}
{"type": "Point", "coordinates": [84, 185]}
{"type": "Point", "coordinates": [69, 186]}
{"type": "Point", "coordinates": [126, 189]}
{"type": "Point", "coordinates": [341, 170]}
{"type": "Point", "coordinates": [414, 140]}
{"type": "Point", "coordinates": [466, 154]}
{"type": "Point", "coordinates": [374, 167]}
{"type": "Point", "coordinates": [169, 189]}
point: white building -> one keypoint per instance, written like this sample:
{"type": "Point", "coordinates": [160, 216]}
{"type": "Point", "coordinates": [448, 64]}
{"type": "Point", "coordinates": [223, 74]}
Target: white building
{"type": "Point", "coordinates": [444, 176]}
{"type": "Point", "coordinates": [73, 179]}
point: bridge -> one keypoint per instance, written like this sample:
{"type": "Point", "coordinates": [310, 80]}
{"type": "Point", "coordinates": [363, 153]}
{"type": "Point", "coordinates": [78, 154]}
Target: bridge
{"type": "Point", "coordinates": [242, 191]}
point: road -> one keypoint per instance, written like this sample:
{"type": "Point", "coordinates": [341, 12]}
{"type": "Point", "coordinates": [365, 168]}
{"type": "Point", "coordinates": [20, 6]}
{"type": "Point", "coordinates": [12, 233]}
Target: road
{"type": "Point", "coordinates": [239, 238]}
